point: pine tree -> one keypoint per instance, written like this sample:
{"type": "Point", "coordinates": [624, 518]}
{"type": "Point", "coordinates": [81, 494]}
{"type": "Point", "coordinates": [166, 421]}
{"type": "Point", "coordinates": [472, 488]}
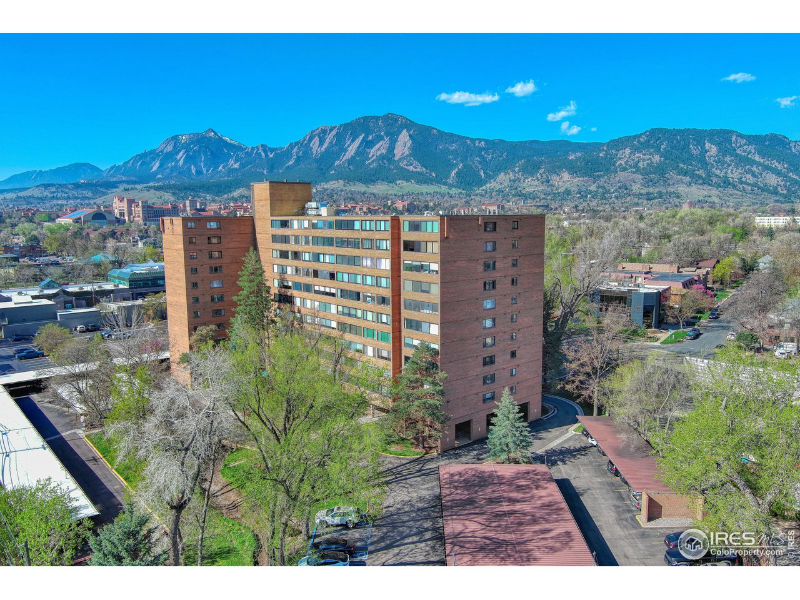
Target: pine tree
{"type": "Point", "coordinates": [418, 399]}
{"type": "Point", "coordinates": [508, 433]}
{"type": "Point", "coordinates": [128, 541]}
{"type": "Point", "coordinates": [253, 303]}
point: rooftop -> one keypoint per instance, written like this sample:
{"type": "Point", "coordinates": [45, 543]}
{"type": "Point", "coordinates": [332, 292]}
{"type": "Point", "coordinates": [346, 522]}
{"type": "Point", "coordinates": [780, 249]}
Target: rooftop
{"type": "Point", "coordinates": [508, 515]}
{"type": "Point", "coordinates": [632, 455]}
{"type": "Point", "coordinates": [26, 457]}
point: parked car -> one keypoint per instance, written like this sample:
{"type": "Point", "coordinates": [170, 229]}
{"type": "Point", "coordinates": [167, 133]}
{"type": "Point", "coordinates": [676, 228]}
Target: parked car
{"type": "Point", "coordinates": [341, 544]}
{"type": "Point", "coordinates": [671, 539]}
{"type": "Point", "coordinates": [726, 557]}
{"type": "Point", "coordinates": [731, 336]}
{"type": "Point", "coordinates": [636, 500]}
{"type": "Point", "coordinates": [21, 349]}
{"type": "Point", "coordinates": [80, 329]}
{"type": "Point", "coordinates": [30, 354]}
{"type": "Point", "coordinates": [785, 350]}
{"type": "Point", "coordinates": [713, 315]}
{"type": "Point", "coordinates": [325, 558]}
{"type": "Point", "coordinates": [17, 337]}
{"type": "Point", "coordinates": [612, 468]}
{"type": "Point", "coordinates": [92, 328]}
{"type": "Point", "coordinates": [339, 515]}
{"type": "Point", "coordinates": [693, 334]}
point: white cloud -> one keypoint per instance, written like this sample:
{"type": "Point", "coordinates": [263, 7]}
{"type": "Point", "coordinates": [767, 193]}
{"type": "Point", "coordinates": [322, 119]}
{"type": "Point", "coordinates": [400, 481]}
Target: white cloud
{"type": "Point", "coordinates": [522, 88]}
{"type": "Point", "coordinates": [468, 98]}
{"type": "Point", "coordinates": [568, 129]}
{"type": "Point", "coordinates": [563, 112]}
{"type": "Point", "coordinates": [593, 129]}
{"type": "Point", "coordinates": [787, 102]}
{"type": "Point", "coordinates": [739, 77]}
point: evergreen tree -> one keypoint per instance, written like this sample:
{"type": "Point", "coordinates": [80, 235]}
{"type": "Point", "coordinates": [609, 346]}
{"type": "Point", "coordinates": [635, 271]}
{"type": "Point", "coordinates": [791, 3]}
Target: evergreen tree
{"type": "Point", "coordinates": [418, 398]}
{"type": "Point", "coordinates": [508, 433]}
{"type": "Point", "coordinates": [253, 303]}
{"type": "Point", "coordinates": [128, 541]}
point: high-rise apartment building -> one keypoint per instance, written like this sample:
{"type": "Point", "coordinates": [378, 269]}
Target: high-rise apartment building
{"type": "Point", "coordinates": [471, 286]}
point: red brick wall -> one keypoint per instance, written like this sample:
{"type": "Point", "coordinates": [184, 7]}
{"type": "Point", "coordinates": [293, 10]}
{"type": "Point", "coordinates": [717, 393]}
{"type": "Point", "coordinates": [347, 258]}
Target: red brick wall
{"type": "Point", "coordinates": [462, 314]}
{"type": "Point", "coordinates": [657, 505]}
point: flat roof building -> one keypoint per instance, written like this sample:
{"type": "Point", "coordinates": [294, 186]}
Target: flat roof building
{"type": "Point", "coordinates": [508, 515]}
{"type": "Point", "coordinates": [470, 286]}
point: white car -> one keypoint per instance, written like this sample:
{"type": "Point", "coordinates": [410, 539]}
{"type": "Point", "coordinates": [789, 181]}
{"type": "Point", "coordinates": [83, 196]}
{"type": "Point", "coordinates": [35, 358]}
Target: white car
{"type": "Point", "coordinates": [339, 515]}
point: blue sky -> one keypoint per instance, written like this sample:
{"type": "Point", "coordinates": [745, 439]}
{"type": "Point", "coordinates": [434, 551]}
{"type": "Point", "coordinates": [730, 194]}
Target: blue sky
{"type": "Point", "coordinates": [103, 98]}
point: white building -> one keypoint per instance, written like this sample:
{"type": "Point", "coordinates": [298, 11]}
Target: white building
{"type": "Point", "coordinates": [774, 222]}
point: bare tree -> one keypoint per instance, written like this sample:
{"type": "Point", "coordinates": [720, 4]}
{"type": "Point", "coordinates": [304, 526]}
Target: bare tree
{"type": "Point", "coordinates": [179, 439]}
{"type": "Point", "coordinates": [691, 301]}
{"type": "Point", "coordinates": [648, 395]}
{"type": "Point", "coordinates": [592, 357]}
{"type": "Point", "coordinates": [754, 302]}
{"type": "Point", "coordinates": [573, 277]}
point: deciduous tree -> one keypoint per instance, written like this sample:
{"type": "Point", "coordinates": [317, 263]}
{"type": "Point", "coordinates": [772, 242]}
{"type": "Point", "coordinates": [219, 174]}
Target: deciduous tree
{"type": "Point", "coordinates": [50, 336]}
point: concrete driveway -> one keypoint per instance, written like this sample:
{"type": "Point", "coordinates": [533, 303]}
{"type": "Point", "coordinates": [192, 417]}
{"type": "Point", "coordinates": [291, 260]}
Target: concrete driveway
{"type": "Point", "coordinates": [411, 531]}
{"type": "Point", "coordinates": [713, 334]}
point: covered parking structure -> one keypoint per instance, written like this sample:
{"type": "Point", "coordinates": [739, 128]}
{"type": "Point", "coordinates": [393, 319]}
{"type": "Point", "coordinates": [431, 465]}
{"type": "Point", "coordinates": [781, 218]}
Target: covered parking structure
{"type": "Point", "coordinates": [636, 465]}
{"type": "Point", "coordinates": [508, 515]}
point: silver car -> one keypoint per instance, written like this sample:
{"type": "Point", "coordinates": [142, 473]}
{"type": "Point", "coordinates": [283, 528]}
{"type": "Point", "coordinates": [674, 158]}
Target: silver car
{"type": "Point", "coordinates": [339, 515]}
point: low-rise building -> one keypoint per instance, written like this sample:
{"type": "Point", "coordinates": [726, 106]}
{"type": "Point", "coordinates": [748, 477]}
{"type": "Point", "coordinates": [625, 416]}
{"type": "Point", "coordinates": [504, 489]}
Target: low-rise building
{"type": "Point", "coordinates": [640, 303]}
{"type": "Point", "coordinates": [96, 217]}
{"type": "Point", "coordinates": [776, 221]}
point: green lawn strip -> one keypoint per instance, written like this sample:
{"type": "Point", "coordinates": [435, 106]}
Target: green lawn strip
{"type": "Point", "coordinates": [675, 337]}
{"type": "Point", "coordinates": [721, 295]}
{"type": "Point", "coordinates": [130, 470]}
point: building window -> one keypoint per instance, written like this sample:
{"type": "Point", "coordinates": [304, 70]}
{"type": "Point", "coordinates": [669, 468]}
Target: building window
{"type": "Point", "coordinates": [488, 342]}
{"type": "Point", "coordinates": [488, 265]}
{"type": "Point", "coordinates": [195, 299]}
{"type": "Point", "coordinates": [514, 318]}
{"type": "Point", "coordinates": [193, 271]}
{"type": "Point", "coordinates": [488, 397]}
{"type": "Point", "coordinates": [490, 284]}
{"type": "Point", "coordinates": [215, 254]}
{"type": "Point", "coordinates": [194, 285]}
{"type": "Point", "coordinates": [513, 354]}
{"type": "Point", "coordinates": [513, 281]}
{"type": "Point", "coordinates": [217, 312]}
{"type": "Point", "coordinates": [421, 226]}
{"type": "Point", "coordinates": [487, 304]}
{"type": "Point", "coordinates": [514, 224]}
{"type": "Point", "coordinates": [221, 326]}
{"type": "Point", "coordinates": [512, 389]}
{"type": "Point", "coordinates": [513, 336]}
{"type": "Point", "coordinates": [216, 283]}
{"type": "Point", "coordinates": [490, 226]}
{"type": "Point", "coordinates": [213, 225]}
{"type": "Point", "coordinates": [488, 323]}
{"type": "Point", "coordinates": [488, 360]}
{"type": "Point", "coordinates": [189, 224]}
{"type": "Point", "coordinates": [192, 240]}
{"type": "Point", "coordinates": [196, 314]}
{"type": "Point", "coordinates": [488, 379]}
{"type": "Point", "coordinates": [514, 244]}
{"type": "Point", "coordinates": [215, 269]}
{"type": "Point", "coordinates": [514, 262]}
{"type": "Point", "coordinates": [514, 372]}
{"type": "Point", "coordinates": [215, 239]}
{"type": "Point", "coordinates": [489, 246]}
{"type": "Point", "coordinates": [192, 255]}
{"type": "Point", "coordinates": [217, 297]}
{"type": "Point", "coordinates": [513, 299]}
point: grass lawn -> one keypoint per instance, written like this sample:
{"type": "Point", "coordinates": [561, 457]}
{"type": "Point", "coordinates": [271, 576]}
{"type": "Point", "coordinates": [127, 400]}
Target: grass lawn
{"type": "Point", "coordinates": [130, 471]}
{"type": "Point", "coordinates": [227, 543]}
{"type": "Point", "coordinates": [578, 429]}
{"type": "Point", "coordinates": [721, 295]}
{"type": "Point", "coordinates": [675, 337]}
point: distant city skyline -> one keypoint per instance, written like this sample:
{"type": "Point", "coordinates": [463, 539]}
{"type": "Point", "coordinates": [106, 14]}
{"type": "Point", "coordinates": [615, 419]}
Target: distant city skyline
{"type": "Point", "coordinates": [104, 98]}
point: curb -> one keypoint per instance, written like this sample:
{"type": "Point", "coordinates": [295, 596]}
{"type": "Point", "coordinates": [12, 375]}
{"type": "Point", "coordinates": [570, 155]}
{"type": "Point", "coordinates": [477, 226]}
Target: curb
{"type": "Point", "coordinates": [108, 464]}
{"type": "Point", "coordinates": [567, 400]}
{"type": "Point", "coordinates": [553, 412]}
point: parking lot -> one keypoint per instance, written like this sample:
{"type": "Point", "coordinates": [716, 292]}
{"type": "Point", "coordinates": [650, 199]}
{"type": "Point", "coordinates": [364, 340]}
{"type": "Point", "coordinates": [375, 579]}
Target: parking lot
{"type": "Point", "coordinates": [600, 503]}
{"type": "Point", "coordinates": [10, 364]}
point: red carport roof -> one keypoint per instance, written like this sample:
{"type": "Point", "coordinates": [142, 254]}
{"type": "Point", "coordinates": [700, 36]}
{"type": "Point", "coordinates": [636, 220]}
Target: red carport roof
{"type": "Point", "coordinates": [508, 515]}
{"type": "Point", "coordinates": [631, 454]}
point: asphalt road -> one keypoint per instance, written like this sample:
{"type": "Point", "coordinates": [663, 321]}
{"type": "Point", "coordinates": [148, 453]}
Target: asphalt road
{"type": "Point", "coordinates": [713, 334]}
{"type": "Point", "coordinates": [601, 506]}
{"type": "Point", "coordinates": [411, 532]}
{"type": "Point", "coordinates": [61, 430]}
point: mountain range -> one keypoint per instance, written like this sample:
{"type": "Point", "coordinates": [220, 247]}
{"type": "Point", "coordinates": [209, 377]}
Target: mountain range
{"type": "Point", "coordinates": [392, 149]}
